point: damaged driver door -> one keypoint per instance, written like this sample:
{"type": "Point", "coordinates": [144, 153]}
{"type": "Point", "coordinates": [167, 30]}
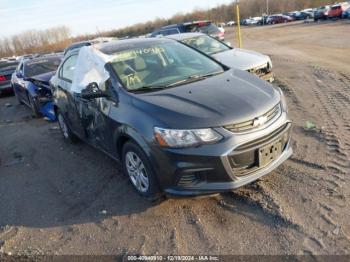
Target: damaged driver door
{"type": "Point", "coordinates": [93, 112]}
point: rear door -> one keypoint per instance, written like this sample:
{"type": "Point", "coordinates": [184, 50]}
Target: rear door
{"type": "Point", "coordinates": [65, 98]}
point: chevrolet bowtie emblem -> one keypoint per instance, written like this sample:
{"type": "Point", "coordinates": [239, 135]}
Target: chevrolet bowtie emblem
{"type": "Point", "coordinates": [259, 121]}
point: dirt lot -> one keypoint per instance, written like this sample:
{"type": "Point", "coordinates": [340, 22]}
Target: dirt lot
{"type": "Point", "coordinates": [57, 198]}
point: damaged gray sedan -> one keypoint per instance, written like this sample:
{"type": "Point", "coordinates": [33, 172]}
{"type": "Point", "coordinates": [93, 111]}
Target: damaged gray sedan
{"type": "Point", "coordinates": [178, 121]}
{"type": "Point", "coordinates": [251, 61]}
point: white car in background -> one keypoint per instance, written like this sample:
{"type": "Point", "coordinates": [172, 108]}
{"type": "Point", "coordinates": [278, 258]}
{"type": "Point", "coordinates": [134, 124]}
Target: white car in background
{"type": "Point", "coordinates": [309, 11]}
{"type": "Point", "coordinates": [231, 23]}
{"type": "Point", "coordinates": [247, 60]}
{"type": "Point", "coordinates": [221, 27]}
{"type": "Point", "coordinates": [251, 21]}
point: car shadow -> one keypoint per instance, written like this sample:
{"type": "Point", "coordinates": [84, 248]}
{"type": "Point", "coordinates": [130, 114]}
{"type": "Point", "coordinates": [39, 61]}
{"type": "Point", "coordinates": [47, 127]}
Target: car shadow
{"type": "Point", "coordinates": [46, 182]}
{"type": "Point", "coordinates": [87, 189]}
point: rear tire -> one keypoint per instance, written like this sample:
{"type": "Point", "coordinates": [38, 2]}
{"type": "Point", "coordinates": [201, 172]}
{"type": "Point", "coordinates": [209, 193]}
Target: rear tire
{"type": "Point", "coordinates": [138, 168]}
{"type": "Point", "coordinates": [67, 133]}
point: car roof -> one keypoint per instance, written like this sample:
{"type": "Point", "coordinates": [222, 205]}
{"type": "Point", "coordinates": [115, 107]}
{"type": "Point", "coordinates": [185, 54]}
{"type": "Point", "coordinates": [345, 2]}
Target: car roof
{"type": "Point", "coordinates": [183, 36]}
{"type": "Point", "coordinates": [184, 24]}
{"type": "Point", "coordinates": [170, 26]}
{"type": "Point", "coordinates": [79, 45]}
{"type": "Point", "coordinates": [38, 58]}
{"type": "Point", "coordinates": [120, 45]}
{"type": "Point", "coordinates": [86, 42]}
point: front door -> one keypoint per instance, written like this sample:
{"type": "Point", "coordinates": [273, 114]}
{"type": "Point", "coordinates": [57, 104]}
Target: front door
{"type": "Point", "coordinates": [94, 117]}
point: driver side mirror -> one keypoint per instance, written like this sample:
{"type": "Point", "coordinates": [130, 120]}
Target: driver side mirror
{"type": "Point", "coordinates": [92, 91]}
{"type": "Point", "coordinates": [228, 44]}
{"type": "Point", "coordinates": [19, 74]}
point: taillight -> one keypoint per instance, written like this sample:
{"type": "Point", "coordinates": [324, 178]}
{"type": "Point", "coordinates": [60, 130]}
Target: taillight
{"type": "Point", "coordinates": [2, 78]}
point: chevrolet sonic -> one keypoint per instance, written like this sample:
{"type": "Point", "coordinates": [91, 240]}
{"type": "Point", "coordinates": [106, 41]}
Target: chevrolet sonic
{"type": "Point", "coordinates": [179, 122]}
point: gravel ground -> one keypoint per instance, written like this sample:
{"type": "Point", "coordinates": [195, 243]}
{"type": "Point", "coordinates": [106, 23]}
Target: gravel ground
{"type": "Point", "coordinates": [57, 198]}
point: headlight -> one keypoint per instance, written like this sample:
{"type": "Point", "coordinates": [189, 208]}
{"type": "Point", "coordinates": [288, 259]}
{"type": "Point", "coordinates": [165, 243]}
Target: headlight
{"type": "Point", "coordinates": [283, 100]}
{"type": "Point", "coordinates": [185, 138]}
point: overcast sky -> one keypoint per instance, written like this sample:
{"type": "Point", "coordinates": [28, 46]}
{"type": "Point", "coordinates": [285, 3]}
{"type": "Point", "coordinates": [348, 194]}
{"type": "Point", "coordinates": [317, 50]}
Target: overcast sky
{"type": "Point", "coordinates": [88, 16]}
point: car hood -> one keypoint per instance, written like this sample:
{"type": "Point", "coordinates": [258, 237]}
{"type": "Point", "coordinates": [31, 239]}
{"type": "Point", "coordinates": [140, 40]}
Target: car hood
{"type": "Point", "coordinates": [228, 98]}
{"type": "Point", "coordinates": [45, 78]}
{"type": "Point", "coordinates": [241, 59]}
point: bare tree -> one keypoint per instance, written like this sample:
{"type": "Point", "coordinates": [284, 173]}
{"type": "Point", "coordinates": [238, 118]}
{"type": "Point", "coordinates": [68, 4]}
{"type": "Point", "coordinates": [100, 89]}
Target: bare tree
{"type": "Point", "coordinates": [35, 41]}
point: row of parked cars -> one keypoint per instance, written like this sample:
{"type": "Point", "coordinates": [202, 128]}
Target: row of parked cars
{"type": "Point", "coordinates": [178, 112]}
{"type": "Point", "coordinates": [340, 10]}
{"type": "Point", "coordinates": [336, 11]}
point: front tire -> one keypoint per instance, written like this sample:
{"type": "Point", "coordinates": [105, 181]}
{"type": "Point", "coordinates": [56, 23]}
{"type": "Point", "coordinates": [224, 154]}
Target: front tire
{"type": "Point", "coordinates": [137, 166]}
{"type": "Point", "coordinates": [67, 133]}
{"type": "Point", "coordinates": [34, 106]}
{"type": "Point", "coordinates": [17, 96]}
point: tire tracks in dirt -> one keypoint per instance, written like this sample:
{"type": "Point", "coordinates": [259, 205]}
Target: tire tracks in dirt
{"type": "Point", "coordinates": [332, 99]}
{"type": "Point", "coordinates": [330, 94]}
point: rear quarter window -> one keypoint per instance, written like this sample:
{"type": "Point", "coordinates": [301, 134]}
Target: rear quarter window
{"type": "Point", "coordinates": [172, 31]}
{"type": "Point", "coordinates": [68, 68]}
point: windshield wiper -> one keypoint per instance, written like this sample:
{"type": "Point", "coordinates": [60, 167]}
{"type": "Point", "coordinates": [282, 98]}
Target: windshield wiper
{"type": "Point", "coordinates": [212, 74]}
{"type": "Point", "coordinates": [147, 88]}
{"type": "Point", "coordinates": [193, 78]}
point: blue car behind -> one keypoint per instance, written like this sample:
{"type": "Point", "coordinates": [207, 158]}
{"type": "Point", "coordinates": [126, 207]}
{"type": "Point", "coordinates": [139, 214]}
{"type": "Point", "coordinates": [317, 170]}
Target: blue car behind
{"type": "Point", "coordinates": [31, 86]}
{"type": "Point", "coordinates": [346, 14]}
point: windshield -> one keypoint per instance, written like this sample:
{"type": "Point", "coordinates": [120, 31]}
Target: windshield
{"type": "Point", "coordinates": [206, 44]}
{"type": "Point", "coordinates": [161, 65]}
{"type": "Point", "coordinates": [41, 66]}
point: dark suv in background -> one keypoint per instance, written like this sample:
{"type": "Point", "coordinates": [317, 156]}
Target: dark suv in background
{"type": "Point", "coordinates": [205, 27]}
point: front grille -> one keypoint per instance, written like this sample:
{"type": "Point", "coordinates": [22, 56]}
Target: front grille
{"type": "Point", "coordinates": [245, 159]}
{"type": "Point", "coordinates": [248, 125]}
{"type": "Point", "coordinates": [261, 70]}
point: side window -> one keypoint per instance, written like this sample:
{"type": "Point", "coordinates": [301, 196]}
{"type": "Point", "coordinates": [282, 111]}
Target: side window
{"type": "Point", "coordinates": [170, 32]}
{"type": "Point", "coordinates": [68, 68]}
{"type": "Point", "coordinates": [20, 68]}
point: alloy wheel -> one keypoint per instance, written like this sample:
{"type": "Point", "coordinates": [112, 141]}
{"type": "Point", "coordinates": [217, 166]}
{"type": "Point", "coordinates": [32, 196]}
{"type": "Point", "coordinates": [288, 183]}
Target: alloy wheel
{"type": "Point", "coordinates": [137, 171]}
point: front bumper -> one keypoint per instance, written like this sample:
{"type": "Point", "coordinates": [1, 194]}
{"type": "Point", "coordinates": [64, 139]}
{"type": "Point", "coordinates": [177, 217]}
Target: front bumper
{"type": "Point", "coordinates": [216, 187]}
{"type": "Point", "coordinates": [207, 170]}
